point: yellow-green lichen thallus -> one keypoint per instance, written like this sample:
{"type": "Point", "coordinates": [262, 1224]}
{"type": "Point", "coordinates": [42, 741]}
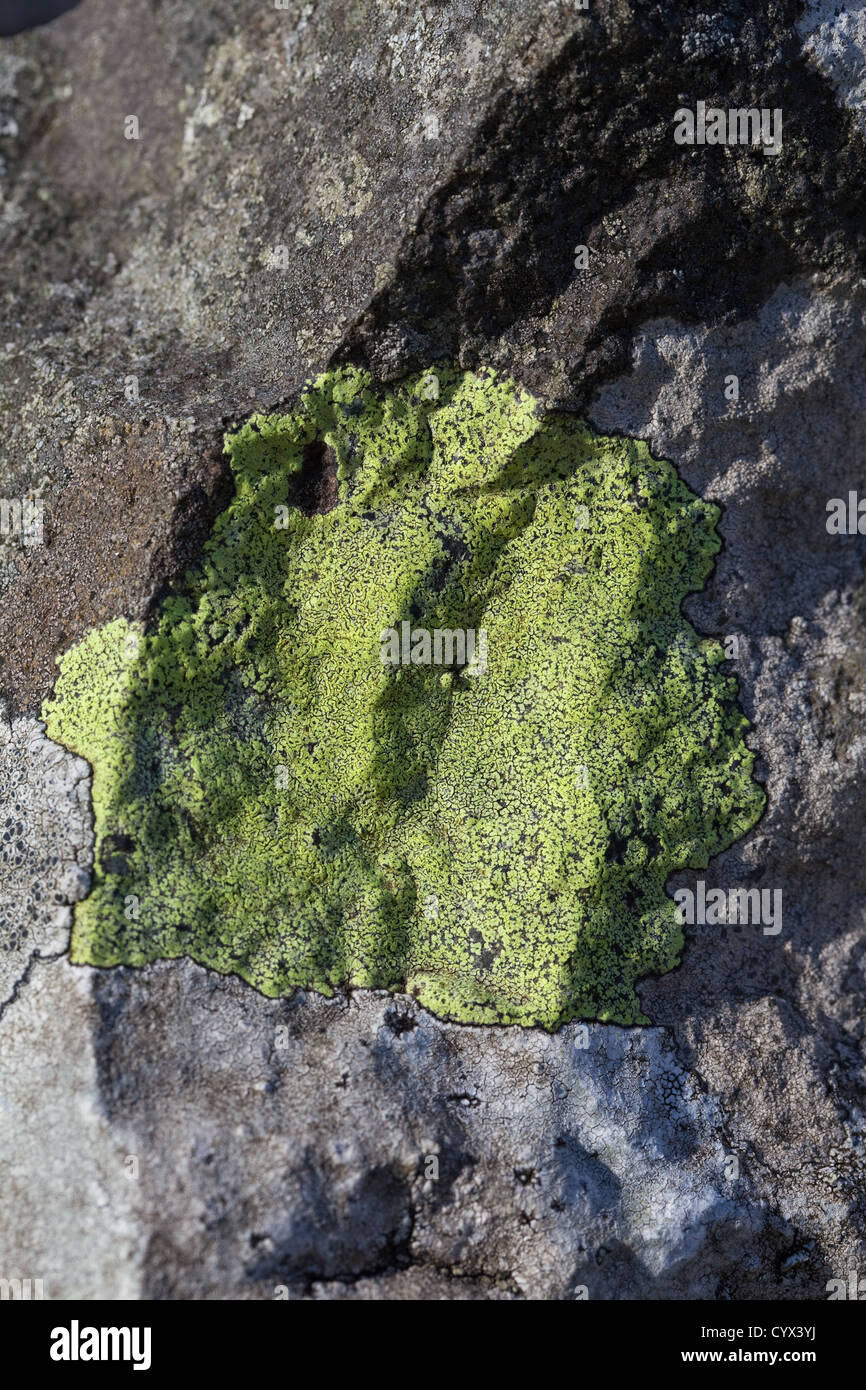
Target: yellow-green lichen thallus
{"type": "Point", "coordinates": [273, 798]}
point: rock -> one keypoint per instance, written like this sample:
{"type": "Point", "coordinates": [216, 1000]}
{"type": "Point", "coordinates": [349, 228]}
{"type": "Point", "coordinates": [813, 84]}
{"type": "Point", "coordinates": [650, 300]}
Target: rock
{"type": "Point", "coordinates": [387, 187]}
{"type": "Point", "coordinates": [68, 1198]}
{"type": "Point", "coordinates": [835, 41]}
{"type": "Point", "coordinates": [46, 845]}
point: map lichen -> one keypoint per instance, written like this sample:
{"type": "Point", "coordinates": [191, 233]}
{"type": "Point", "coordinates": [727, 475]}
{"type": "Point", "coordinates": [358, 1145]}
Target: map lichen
{"type": "Point", "coordinates": [272, 798]}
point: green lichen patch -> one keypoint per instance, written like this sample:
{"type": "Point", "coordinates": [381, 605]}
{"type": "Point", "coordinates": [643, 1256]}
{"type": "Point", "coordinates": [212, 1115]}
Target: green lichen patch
{"type": "Point", "coordinates": [272, 799]}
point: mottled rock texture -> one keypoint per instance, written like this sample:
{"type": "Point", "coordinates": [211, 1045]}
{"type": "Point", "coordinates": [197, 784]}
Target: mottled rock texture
{"type": "Point", "coordinates": [388, 185]}
{"type": "Point", "coordinates": [45, 846]}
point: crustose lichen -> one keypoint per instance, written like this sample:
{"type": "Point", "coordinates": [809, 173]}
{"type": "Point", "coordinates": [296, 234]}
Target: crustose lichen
{"type": "Point", "coordinates": [272, 798]}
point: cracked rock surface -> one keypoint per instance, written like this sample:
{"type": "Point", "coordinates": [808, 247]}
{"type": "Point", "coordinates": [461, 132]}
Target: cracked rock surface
{"type": "Point", "coordinates": [45, 846]}
{"type": "Point", "coordinates": [389, 184]}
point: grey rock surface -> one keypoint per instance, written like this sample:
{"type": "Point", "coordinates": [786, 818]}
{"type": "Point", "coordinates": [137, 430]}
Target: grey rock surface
{"type": "Point", "coordinates": [68, 1197]}
{"type": "Point", "coordinates": [779, 1017]}
{"type": "Point", "coordinates": [835, 41]}
{"type": "Point", "coordinates": [424, 173]}
{"type": "Point", "coordinates": [392, 1149]}
{"type": "Point", "coordinates": [46, 845]}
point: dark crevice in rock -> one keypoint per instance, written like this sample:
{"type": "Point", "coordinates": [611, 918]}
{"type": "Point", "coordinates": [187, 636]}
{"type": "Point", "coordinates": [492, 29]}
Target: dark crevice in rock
{"type": "Point", "coordinates": [699, 234]}
{"type": "Point", "coordinates": [193, 517]}
{"type": "Point", "coordinates": [313, 490]}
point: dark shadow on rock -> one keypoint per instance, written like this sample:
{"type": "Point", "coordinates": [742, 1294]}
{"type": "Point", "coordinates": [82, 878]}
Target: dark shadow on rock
{"type": "Point", "coordinates": [586, 156]}
{"type": "Point", "coordinates": [18, 15]}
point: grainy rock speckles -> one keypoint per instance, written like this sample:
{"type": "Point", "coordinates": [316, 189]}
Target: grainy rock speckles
{"type": "Point", "coordinates": [45, 845]}
{"type": "Point", "coordinates": [556, 1164]}
{"type": "Point", "coordinates": [834, 39]}
{"type": "Point", "coordinates": [68, 1195]}
{"type": "Point", "coordinates": [794, 596]}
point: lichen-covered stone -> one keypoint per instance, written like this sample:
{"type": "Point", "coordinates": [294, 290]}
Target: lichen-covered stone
{"type": "Point", "coordinates": [492, 139]}
{"type": "Point", "coordinates": [274, 799]}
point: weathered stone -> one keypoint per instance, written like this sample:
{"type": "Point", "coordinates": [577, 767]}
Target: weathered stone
{"type": "Point", "coordinates": [390, 185]}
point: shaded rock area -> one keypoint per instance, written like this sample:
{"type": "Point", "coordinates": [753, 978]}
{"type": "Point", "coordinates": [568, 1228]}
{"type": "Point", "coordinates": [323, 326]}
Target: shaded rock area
{"type": "Point", "coordinates": [389, 184]}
